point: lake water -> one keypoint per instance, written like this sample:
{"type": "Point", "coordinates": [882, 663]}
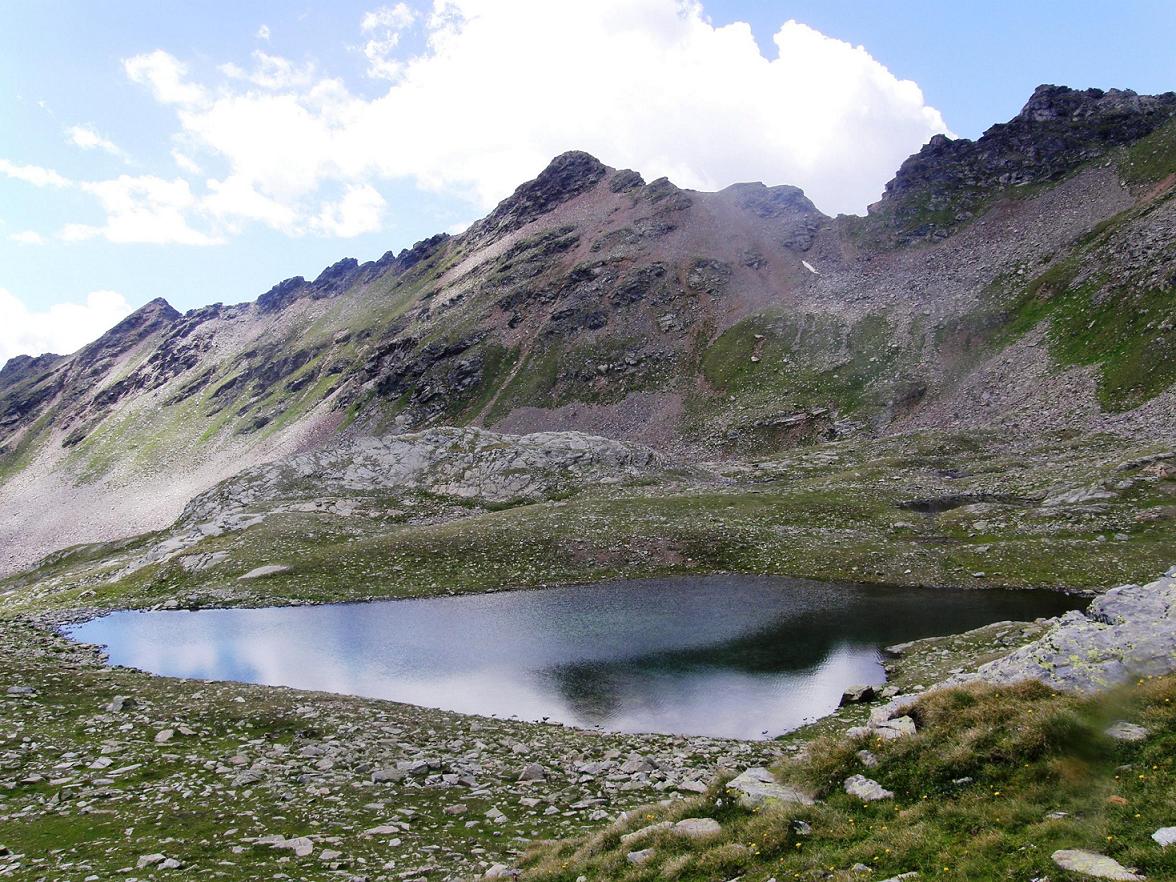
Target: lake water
{"type": "Point", "coordinates": [735, 656]}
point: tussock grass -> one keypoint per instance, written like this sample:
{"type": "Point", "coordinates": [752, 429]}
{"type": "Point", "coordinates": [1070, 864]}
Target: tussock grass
{"type": "Point", "coordinates": [996, 780]}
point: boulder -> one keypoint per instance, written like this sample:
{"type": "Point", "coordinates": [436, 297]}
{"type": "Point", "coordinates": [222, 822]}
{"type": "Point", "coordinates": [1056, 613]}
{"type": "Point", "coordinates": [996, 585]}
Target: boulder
{"type": "Point", "coordinates": [697, 828]}
{"type": "Point", "coordinates": [866, 789]}
{"type": "Point", "coordinates": [858, 694]}
{"type": "Point", "coordinates": [1165, 836]}
{"type": "Point", "coordinates": [533, 772]}
{"type": "Point", "coordinates": [1124, 731]}
{"type": "Point", "coordinates": [640, 857]}
{"type": "Point", "coordinates": [756, 787]}
{"type": "Point", "coordinates": [1090, 863]}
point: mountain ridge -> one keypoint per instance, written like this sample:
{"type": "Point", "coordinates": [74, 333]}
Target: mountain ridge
{"type": "Point", "coordinates": [711, 324]}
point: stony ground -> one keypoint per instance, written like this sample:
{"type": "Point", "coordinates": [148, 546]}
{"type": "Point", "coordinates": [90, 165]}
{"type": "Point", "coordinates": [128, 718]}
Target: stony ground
{"type": "Point", "coordinates": [110, 773]}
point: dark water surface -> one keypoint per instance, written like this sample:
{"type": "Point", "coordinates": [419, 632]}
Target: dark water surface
{"type": "Point", "coordinates": [719, 655]}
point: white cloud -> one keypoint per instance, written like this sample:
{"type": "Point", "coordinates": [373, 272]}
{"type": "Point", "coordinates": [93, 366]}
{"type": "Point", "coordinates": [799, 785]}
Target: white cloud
{"type": "Point", "coordinates": [271, 72]}
{"type": "Point", "coordinates": [501, 86]}
{"type": "Point", "coordinates": [28, 237]}
{"type": "Point", "coordinates": [263, 33]}
{"type": "Point", "coordinates": [88, 139]}
{"type": "Point", "coordinates": [395, 17]}
{"type": "Point", "coordinates": [359, 211]}
{"type": "Point", "coordinates": [165, 75]}
{"type": "Point", "coordinates": [143, 209]}
{"type": "Point", "coordinates": [235, 200]}
{"type": "Point", "coordinates": [61, 328]}
{"type": "Point", "coordinates": [32, 174]}
{"type": "Point", "coordinates": [384, 27]}
{"type": "Point", "coordinates": [185, 162]}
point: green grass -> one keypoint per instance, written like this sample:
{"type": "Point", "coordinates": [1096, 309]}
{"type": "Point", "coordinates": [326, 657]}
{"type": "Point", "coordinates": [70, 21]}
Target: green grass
{"type": "Point", "coordinates": [1152, 158]}
{"type": "Point", "coordinates": [976, 792]}
{"type": "Point", "coordinates": [828, 512]}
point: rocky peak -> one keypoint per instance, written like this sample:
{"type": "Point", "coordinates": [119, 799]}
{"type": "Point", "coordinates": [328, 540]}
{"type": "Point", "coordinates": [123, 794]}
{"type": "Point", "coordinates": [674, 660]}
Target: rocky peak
{"type": "Point", "coordinates": [772, 202]}
{"type": "Point", "coordinates": [566, 177]}
{"type": "Point", "coordinates": [1050, 102]}
{"type": "Point", "coordinates": [21, 367]}
{"type": "Point", "coordinates": [331, 282]}
{"type": "Point", "coordinates": [138, 326]}
{"type": "Point", "coordinates": [1056, 131]}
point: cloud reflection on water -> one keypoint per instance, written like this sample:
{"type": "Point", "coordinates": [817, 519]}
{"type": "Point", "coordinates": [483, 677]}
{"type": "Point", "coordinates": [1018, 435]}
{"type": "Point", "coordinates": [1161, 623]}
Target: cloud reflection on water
{"type": "Point", "coordinates": [722, 656]}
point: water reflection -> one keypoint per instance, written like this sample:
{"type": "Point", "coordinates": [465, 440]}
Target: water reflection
{"type": "Point", "coordinates": [722, 655]}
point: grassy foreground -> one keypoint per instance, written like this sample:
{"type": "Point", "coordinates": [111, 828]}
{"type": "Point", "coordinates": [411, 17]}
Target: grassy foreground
{"type": "Point", "coordinates": [994, 783]}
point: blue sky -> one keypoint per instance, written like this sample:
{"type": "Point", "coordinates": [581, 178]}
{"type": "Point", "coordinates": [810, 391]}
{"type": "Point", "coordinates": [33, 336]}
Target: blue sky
{"type": "Point", "coordinates": [203, 151]}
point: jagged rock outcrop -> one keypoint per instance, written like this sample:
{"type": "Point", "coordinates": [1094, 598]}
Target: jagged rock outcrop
{"type": "Point", "coordinates": [1128, 632]}
{"type": "Point", "coordinates": [1056, 131]}
{"type": "Point", "coordinates": [567, 176]}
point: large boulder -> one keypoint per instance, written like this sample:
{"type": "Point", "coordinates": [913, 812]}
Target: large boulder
{"type": "Point", "coordinates": [757, 787]}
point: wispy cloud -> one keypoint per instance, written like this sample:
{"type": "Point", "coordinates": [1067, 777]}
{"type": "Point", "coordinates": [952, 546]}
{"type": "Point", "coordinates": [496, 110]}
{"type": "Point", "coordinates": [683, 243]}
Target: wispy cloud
{"type": "Point", "coordinates": [88, 138]}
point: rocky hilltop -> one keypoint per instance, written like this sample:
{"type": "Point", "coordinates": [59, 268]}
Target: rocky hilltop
{"type": "Point", "coordinates": [1021, 282]}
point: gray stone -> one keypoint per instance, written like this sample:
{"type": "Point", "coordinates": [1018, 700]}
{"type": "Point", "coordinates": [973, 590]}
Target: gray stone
{"type": "Point", "coordinates": [119, 703]}
{"type": "Point", "coordinates": [500, 871]}
{"type": "Point", "coordinates": [637, 763]}
{"type": "Point", "coordinates": [858, 694]}
{"type": "Point", "coordinates": [638, 835]}
{"type": "Point", "coordinates": [1165, 836]}
{"type": "Point", "coordinates": [867, 759]}
{"type": "Point", "coordinates": [697, 828]}
{"type": "Point", "coordinates": [533, 772]}
{"type": "Point", "coordinates": [1128, 632]}
{"type": "Point", "coordinates": [1124, 731]}
{"type": "Point", "coordinates": [640, 857]}
{"type": "Point", "coordinates": [756, 787]}
{"type": "Point", "coordinates": [866, 789]}
{"type": "Point", "coordinates": [1089, 863]}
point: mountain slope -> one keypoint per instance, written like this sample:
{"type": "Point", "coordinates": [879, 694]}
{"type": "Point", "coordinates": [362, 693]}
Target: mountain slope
{"type": "Point", "coordinates": [1023, 281]}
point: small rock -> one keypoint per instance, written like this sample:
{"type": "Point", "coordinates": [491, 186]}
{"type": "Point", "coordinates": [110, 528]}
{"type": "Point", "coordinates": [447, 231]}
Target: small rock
{"type": "Point", "coordinates": [858, 694]}
{"type": "Point", "coordinates": [1089, 863]}
{"type": "Point", "coordinates": [261, 572]}
{"type": "Point", "coordinates": [697, 828]}
{"type": "Point", "coordinates": [639, 857]}
{"type": "Point", "coordinates": [500, 871]}
{"type": "Point", "coordinates": [1165, 836]}
{"type": "Point", "coordinates": [637, 763]}
{"type": "Point", "coordinates": [164, 736]}
{"type": "Point", "coordinates": [119, 703]}
{"type": "Point", "coordinates": [866, 789]}
{"type": "Point", "coordinates": [385, 776]}
{"type": "Point", "coordinates": [150, 860]}
{"type": "Point", "coordinates": [867, 758]}
{"type": "Point", "coordinates": [533, 772]}
{"type": "Point", "coordinates": [1124, 731]}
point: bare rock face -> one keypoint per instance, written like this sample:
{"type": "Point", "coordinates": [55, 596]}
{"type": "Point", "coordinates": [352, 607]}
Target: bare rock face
{"type": "Point", "coordinates": [1128, 632]}
{"type": "Point", "coordinates": [1057, 130]}
{"type": "Point", "coordinates": [466, 464]}
{"type": "Point", "coordinates": [567, 176]}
